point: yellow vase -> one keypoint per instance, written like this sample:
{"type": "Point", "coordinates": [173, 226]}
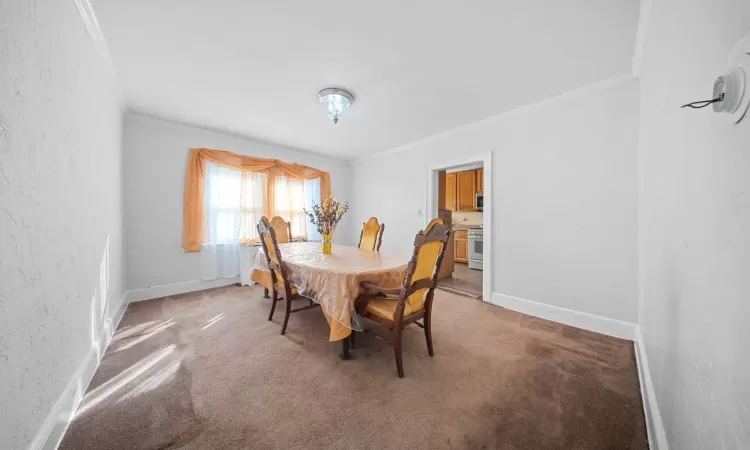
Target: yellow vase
{"type": "Point", "coordinates": [327, 244]}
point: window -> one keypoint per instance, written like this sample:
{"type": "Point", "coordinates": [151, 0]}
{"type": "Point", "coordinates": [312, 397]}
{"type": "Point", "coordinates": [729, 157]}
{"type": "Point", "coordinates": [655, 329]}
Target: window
{"type": "Point", "coordinates": [222, 197]}
{"type": "Point", "coordinates": [289, 202]}
{"type": "Point", "coordinates": [235, 201]}
{"type": "Point", "coordinates": [252, 197]}
{"type": "Point", "coordinates": [312, 194]}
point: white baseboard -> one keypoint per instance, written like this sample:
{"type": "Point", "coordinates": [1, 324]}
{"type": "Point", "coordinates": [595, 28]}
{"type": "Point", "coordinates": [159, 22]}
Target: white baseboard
{"type": "Point", "coordinates": [165, 290]}
{"type": "Point", "coordinates": [657, 435]}
{"type": "Point", "coordinates": [586, 321]}
{"type": "Point", "coordinates": [56, 424]}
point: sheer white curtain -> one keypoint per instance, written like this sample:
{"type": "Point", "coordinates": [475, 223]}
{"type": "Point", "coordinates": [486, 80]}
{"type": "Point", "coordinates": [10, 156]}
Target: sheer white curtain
{"type": "Point", "coordinates": [289, 203]}
{"type": "Point", "coordinates": [235, 201]}
{"type": "Point", "coordinates": [234, 205]}
{"type": "Point", "coordinates": [312, 194]}
{"type": "Point", "coordinates": [254, 194]}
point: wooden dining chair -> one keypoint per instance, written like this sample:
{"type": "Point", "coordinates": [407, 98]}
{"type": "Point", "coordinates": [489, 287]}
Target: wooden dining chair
{"type": "Point", "coordinates": [371, 235]}
{"type": "Point", "coordinates": [432, 223]}
{"type": "Point", "coordinates": [279, 276]}
{"type": "Point", "coordinates": [395, 308]}
{"type": "Point", "coordinates": [283, 229]}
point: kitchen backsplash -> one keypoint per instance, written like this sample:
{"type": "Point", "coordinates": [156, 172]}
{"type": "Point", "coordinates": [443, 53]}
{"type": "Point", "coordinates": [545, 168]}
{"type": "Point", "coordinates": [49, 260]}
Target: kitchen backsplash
{"type": "Point", "coordinates": [472, 218]}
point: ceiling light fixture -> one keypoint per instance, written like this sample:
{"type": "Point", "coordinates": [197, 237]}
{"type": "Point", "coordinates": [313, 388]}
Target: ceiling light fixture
{"type": "Point", "coordinates": [336, 101]}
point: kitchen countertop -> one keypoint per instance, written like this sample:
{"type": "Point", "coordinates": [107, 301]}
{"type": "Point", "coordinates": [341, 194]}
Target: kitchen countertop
{"type": "Point", "coordinates": [458, 226]}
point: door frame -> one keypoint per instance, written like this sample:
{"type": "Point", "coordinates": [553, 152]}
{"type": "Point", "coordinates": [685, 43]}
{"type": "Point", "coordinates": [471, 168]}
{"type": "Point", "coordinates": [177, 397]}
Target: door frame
{"type": "Point", "coordinates": [432, 207]}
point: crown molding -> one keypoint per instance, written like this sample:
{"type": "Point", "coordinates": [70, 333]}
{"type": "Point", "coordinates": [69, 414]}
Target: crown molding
{"type": "Point", "coordinates": [644, 27]}
{"type": "Point", "coordinates": [584, 90]}
{"type": "Point", "coordinates": [100, 45]}
{"type": "Point", "coordinates": [136, 114]}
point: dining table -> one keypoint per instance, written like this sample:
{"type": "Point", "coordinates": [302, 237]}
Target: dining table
{"type": "Point", "coordinates": [333, 280]}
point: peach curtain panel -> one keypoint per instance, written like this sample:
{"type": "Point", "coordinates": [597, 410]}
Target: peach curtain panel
{"type": "Point", "coordinates": [193, 209]}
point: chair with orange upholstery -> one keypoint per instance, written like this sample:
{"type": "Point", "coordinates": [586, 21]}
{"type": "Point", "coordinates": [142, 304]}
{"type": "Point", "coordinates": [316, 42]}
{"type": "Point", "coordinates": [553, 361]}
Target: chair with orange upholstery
{"type": "Point", "coordinates": [395, 308]}
{"type": "Point", "coordinates": [279, 277]}
{"type": "Point", "coordinates": [283, 229]}
{"type": "Point", "coordinates": [371, 235]}
{"type": "Point", "coordinates": [432, 223]}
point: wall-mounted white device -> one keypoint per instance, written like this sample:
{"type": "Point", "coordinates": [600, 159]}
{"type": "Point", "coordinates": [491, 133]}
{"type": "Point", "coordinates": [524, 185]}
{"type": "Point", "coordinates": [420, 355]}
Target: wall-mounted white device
{"type": "Point", "coordinates": [732, 89]}
{"type": "Point", "coordinates": [734, 84]}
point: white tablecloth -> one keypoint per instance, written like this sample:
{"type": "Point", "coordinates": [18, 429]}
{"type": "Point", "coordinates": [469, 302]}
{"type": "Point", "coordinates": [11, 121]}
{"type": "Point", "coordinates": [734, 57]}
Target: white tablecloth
{"type": "Point", "coordinates": [247, 260]}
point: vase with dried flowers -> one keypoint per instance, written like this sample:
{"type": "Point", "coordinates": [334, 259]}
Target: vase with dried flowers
{"type": "Point", "coordinates": [326, 217]}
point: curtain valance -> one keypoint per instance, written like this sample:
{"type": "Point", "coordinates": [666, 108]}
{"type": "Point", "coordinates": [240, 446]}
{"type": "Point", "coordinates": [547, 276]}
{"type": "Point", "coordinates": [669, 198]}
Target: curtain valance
{"type": "Point", "coordinates": [193, 208]}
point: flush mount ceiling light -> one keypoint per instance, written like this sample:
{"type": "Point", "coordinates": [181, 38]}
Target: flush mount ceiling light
{"type": "Point", "coordinates": [336, 101]}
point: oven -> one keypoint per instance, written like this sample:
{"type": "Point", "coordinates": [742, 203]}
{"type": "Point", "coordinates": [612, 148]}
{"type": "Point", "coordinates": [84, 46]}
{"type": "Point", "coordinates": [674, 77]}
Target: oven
{"type": "Point", "coordinates": [476, 248]}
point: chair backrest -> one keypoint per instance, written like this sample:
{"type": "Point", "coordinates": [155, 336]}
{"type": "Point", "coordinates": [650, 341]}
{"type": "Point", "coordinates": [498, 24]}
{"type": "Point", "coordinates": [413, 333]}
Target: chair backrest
{"type": "Point", "coordinates": [267, 235]}
{"type": "Point", "coordinates": [283, 229]}
{"type": "Point", "coordinates": [432, 223]}
{"type": "Point", "coordinates": [421, 273]}
{"type": "Point", "coordinates": [371, 236]}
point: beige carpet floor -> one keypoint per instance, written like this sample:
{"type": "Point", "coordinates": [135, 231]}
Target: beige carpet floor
{"type": "Point", "coordinates": [464, 281]}
{"type": "Point", "coordinates": [206, 370]}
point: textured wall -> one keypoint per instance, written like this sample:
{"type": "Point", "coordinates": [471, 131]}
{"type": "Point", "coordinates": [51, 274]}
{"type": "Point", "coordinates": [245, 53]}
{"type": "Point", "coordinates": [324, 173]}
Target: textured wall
{"type": "Point", "coordinates": [564, 198]}
{"type": "Point", "coordinates": [694, 198]}
{"type": "Point", "coordinates": [60, 207]}
{"type": "Point", "coordinates": [155, 152]}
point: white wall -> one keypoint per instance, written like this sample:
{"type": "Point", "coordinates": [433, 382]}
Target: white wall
{"type": "Point", "coordinates": [61, 252]}
{"type": "Point", "coordinates": [564, 194]}
{"type": "Point", "coordinates": [694, 171]}
{"type": "Point", "coordinates": [155, 155]}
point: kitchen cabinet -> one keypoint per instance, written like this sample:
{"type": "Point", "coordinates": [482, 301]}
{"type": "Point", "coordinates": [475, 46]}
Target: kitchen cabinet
{"type": "Point", "coordinates": [457, 191]}
{"type": "Point", "coordinates": [461, 246]}
{"type": "Point", "coordinates": [450, 191]}
{"type": "Point", "coordinates": [466, 190]}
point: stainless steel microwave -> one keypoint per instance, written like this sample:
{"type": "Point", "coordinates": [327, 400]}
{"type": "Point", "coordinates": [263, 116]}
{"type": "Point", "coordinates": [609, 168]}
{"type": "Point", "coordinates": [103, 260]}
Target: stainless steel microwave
{"type": "Point", "coordinates": [480, 201]}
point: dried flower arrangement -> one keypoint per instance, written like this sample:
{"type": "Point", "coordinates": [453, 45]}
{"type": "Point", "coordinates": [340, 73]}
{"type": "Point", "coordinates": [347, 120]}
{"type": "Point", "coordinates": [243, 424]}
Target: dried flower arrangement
{"type": "Point", "coordinates": [327, 215]}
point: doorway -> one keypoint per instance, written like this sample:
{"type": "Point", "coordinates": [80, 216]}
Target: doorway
{"type": "Point", "coordinates": [460, 192]}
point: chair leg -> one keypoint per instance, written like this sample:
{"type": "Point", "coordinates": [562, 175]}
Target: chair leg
{"type": "Point", "coordinates": [428, 331]}
{"type": "Point", "coordinates": [273, 304]}
{"type": "Point", "coordinates": [397, 349]}
{"type": "Point", "coordinates": [265, 292]}
{"type": "Point", "coordinates": [288, 313]}
{"type": "Point", "coordinates": [351, 337]}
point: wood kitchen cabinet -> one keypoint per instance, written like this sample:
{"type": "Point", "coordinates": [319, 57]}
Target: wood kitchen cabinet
{"type": "Point", "coordinates": [466, 190]}
{"type": "Point", "coordinates": [450, 191]}
{"type": "Point", "coordinates": [457, 191]}
{"type": "Point", "coordinates": [461, 246]}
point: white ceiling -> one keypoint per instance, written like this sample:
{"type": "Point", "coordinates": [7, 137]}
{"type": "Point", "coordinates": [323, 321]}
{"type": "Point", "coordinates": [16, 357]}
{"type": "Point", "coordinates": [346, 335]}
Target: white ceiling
{"type": "Point", "coordinates": [416, 67]}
